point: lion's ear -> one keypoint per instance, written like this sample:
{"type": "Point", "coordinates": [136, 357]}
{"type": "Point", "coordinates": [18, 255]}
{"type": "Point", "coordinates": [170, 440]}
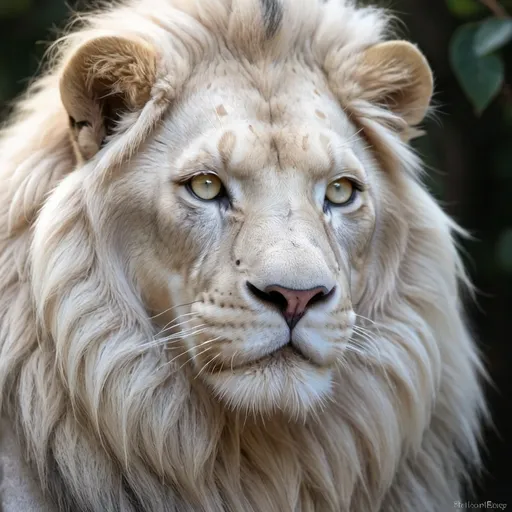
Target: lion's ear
{"type": "Point", "coordinates": [395, 74]}
{"type": "Point", "coordinates": [102, 78]}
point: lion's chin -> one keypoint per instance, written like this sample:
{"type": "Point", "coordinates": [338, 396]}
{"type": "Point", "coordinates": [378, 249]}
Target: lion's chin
{"type": "Point", "coordinates": [283, 382]}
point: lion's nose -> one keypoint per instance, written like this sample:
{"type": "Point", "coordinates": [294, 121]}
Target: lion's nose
{"type": "Point", "coordinates": [292, 303]}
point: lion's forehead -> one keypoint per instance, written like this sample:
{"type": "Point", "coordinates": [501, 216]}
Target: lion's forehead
{"type": "Point", "coordinates": [235, 124]}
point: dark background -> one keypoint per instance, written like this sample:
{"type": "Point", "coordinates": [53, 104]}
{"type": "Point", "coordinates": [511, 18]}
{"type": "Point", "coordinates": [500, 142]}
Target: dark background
{"type": "Point", "coordinates": [469, 157]}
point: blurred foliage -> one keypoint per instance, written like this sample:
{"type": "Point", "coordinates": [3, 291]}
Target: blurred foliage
{"type": "Point", "coordinates": [478, 56]}
{"type": "Point", "coordinates": [481, 74]}
{"type": "Point", "coordinates": [13, 7]}
{"type": "Point", "coordinates": [475, 51]}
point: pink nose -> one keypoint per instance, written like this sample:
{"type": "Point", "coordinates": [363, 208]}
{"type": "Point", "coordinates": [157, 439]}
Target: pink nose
{"type": "Point", "coordinates": [294, 302]}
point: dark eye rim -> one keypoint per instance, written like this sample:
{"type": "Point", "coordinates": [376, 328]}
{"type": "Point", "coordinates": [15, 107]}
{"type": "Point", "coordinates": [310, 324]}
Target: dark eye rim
{"type": "Point", "coordinates": [357, 188]}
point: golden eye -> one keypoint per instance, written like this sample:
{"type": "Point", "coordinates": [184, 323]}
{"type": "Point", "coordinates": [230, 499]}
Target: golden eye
{"type": "Point", "coordinates": [340, 192]}
{"type": "Point", "coordinates": [206, 186]}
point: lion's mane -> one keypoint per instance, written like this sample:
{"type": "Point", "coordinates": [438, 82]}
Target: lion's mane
{"type": "Point", "coordinates": [106, 428]}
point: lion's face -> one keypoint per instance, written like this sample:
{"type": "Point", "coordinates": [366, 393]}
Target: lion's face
{"type": "Point", "coordinates": [261, 218]}
{"type": "Point", "coordinates": [245, 219]}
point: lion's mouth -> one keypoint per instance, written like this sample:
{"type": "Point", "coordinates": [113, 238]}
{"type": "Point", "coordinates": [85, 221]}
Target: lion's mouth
{"type": "Point", "coordinates": [289, 352]}
{"type": "Point", "coordinates": [289, 348]}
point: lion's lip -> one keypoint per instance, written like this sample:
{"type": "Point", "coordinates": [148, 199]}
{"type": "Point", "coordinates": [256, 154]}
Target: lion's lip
{"type": "Point", "coordinates": [291, 347]}
{"type": "Point", "coordinates": [288, 349]}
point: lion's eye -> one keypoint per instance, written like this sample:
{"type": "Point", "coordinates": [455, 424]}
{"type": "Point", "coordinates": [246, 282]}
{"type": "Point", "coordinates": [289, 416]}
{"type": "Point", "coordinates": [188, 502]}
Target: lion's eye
{"type": "Point", "coordinates": [206, 186]}
{"type": "Point", "coordinates": [341, 191]}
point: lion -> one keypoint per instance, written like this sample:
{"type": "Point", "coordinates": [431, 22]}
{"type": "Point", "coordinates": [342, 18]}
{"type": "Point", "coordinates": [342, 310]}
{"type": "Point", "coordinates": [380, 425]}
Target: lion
{"type": "Point", "coordinates": [224, 285]}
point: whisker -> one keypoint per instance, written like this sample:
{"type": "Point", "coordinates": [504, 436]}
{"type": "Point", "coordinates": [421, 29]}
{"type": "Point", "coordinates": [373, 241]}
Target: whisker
{"type": "Point", "coordinates": [367, 336]}
{"type": "Point", "coordinates": [232, 357]}
{"type": "Point", "coordinates": [207, 364]}
{"type": "Point", "coordinates": [373, 322]}
{"type": "Point", "coordinates": [202, 352]}
{"type": "Point", "coordinates": [171, 324]}
{"type": "Point", "coordinates": [375, 352]}
{"type": "Point", "coordinates": [174, 307]}
{"type": "Point", "coordinates": [197, 329]}
{"type": "Point", "coordinates": [179, 325]}
{"type": "Point", "coordinates": [195, 347]}
{"type": "Point", "coordinates": [206, 342]}
{"type": "Point", "coordinates": [167, 363]}
{"type": "Point", "coordinates": [178, 339]}
{"type": "Point", "coordinates": [176, 336]}
{"type": "Point", "coordinates": [186, 351]}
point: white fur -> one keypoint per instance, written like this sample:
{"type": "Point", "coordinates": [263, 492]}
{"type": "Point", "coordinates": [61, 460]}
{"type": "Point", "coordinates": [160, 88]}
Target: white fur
{"type": "Point", "coordinates": [114, 282]}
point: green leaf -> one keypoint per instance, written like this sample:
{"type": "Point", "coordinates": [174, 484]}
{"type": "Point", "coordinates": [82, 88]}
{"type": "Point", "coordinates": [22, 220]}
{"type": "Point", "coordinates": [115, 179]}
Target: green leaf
{"type": "Point", "coordinates": [492, 35]}
{"type": "Point", "coordinates": [481, 77]}
{"type": "Point", "coordinates": [465, 8]}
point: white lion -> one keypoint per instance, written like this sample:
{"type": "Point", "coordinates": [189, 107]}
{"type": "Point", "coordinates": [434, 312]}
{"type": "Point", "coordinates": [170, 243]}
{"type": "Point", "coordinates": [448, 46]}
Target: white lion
{"type": "Point", "coordinates": [223, 285]}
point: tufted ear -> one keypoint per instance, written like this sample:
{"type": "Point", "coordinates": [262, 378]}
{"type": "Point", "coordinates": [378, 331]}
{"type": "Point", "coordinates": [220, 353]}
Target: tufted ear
{"type": "Point", "coordinates": [395, 74]}
{"type": "Point", "coordinates": [104, 77]}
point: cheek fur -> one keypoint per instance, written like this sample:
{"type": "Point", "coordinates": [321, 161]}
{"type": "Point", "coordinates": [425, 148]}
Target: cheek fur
{"type": "Point", "coordinates": [354, 233]}
{"type": "Point", "coordinates": [188, 234]}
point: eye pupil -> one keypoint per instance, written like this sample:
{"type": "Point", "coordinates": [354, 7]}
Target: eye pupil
{"type": "Point", "coordinates": [340, 192]}
{"type": "Point", "coordinates": [206, 186]}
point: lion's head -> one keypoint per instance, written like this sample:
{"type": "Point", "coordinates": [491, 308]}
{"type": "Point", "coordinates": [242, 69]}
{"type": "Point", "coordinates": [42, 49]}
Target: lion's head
{"type": "Point", "coordinates": [222, 281]}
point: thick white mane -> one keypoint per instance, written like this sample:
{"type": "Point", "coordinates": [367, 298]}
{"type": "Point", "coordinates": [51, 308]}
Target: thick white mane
{"type": "Point", "coordinates": [104, 424]}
